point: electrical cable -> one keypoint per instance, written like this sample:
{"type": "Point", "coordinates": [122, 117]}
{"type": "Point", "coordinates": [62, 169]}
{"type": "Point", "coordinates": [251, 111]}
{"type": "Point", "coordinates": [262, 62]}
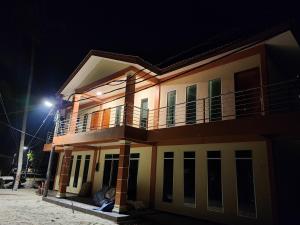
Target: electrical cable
{"type": "Point", "coordinates": [14, 137]}
{"type": "Point", "coordinates": [6, 124]}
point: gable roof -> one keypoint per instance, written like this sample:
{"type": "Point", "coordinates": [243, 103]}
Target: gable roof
{"type": "Point", "coordinates": [229, 46]}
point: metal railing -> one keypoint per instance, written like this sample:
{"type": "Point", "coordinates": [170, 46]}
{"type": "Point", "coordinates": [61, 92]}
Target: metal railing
{"type": "Point", "coordinates": [259, 101]}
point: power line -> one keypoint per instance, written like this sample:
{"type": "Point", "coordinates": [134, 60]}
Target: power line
{"type": "Point", "coordinates": [8, 120]}
{"type": "Point", "coordinates": [40, 127]}
{"type": "Point", "coordinates": [31, 108]}
{"type": "Point", "coordinates": [6, 124]}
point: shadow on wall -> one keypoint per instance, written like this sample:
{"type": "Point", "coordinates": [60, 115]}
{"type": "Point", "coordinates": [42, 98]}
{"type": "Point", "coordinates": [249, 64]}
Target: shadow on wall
{"type": "Point", "coordinates": [286, 155]}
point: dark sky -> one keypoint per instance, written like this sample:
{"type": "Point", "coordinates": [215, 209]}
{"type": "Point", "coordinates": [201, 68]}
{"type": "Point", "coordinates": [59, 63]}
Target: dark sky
{"type": "Point", "coordinates": [64, 32]}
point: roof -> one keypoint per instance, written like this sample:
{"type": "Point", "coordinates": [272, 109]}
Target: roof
{"type": "Point", "coordinates": [226, 45]}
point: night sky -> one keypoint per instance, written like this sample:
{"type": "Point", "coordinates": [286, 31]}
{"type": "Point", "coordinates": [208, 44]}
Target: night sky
{"type": "Point", "coordinates": [63, 33]}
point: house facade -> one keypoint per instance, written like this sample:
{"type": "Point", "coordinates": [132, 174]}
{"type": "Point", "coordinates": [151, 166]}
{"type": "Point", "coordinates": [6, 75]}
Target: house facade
{"type": "Point", "coordinates": [194, 138]}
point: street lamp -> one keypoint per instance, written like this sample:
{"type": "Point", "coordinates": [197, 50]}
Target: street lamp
{"type": "Point", "coordinates": [48, 104]}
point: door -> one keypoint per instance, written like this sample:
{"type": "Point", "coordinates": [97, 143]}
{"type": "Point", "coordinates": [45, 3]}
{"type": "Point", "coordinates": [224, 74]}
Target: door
{"type": "Point", "coordinates": [247, 93]}
{"type": "Point", "coordinates": [95, 120]}
{"type": "Point", "coordinates": [106, 118]}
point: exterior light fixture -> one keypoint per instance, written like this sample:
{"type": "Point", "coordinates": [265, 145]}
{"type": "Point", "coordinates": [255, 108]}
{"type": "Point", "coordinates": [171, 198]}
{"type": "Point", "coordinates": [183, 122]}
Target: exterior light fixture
{"type": "Point", "coordinates": [99, 93]}
{"type": "Point", "coordinates": [25, 148]}
{"type": "Point", "coordinates": [48, 104]}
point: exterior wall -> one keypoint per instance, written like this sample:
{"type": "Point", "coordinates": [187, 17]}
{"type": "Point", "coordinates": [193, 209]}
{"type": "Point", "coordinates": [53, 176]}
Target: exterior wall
{"type": "Point", "coordinates": [147, 93]}
{"type": "Point", "coordinates": [143, 179]}
{"type": "Point", "coordinates": [229, 215]}
{"type": "Point", "coordinates": [224, 72]}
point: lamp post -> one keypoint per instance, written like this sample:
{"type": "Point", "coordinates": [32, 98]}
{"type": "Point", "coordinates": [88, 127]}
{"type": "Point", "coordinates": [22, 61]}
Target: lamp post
{"type": "Point", "coordinates": [22, 139]}
{"type": "Point", "coordinates": [49, 168]}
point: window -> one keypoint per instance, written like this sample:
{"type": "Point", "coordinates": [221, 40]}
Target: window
{"type": "Point", "coordinates": [77, 169]}
{"type": "Point", "coordinates": [171, 101]}
{"type": "Point", "coordinates": [70, 168]}
{"type": "Point", "coordinates": [86, 168]}
{"type": "Point", "coordinates": [84, 122]}
{"type": "Point", "coordinates": [189, 178]}
{"type": "Point", "coordinates": [190, 111]}
{"type": "Point", "coordinates": [168, 177]}
{"type": "Point", "coordinates": [245, 184]}
{"type": "Point", "coordinates": [118, 116]}
{"type": "Point", "coordinates": [215, 107]}
{"type": "Point", "coordinates": [214, 182]}
{"type": "Point", "coordinates": [77, 124]}
{"type": "Point", "coordinates": [110, 172]}
{"type": "Point", "coordinates": [144, 113]}
{"type": "Point", "coordinates": [132, 179]}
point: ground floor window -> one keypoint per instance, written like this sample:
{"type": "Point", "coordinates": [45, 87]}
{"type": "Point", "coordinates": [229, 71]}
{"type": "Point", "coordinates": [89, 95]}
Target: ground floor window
{"type": "Point", "coordinates": [189, 178]}
{"type": "Point", "coordinates": [70, 168]}
{"type": "Point", "coordinates": [77, 169]}
{"type": "Point", "coordinates": [133, 174]}
{"type": "Point", "coordinates": [168, 177]}
{"type": "Point", "coordinates": [86, 168]}
{"type": "Point", "coordinates": [110, 172]}
{"type": "Point", "coordinates": [245, 184]}
{"type": "Point", "coordinates": [214, 182]}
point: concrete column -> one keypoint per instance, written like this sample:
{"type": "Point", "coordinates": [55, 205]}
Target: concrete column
{"type": "Point", "coordinates": [122, 179]}
{"type": "Point", "coordinates": [153, 176]}
{"type": "Point", "coordinates": [64, 174]}
{"type": "Point", "coordinates": [129, 99]}
{"type": "Point", "coordinates": [74, 113]}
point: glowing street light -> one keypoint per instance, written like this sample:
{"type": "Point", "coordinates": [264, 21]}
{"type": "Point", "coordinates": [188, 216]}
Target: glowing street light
{"type": "Point", "coordinates": [48, 104]}
{"type": "Point", "coordinates": [25, 148]}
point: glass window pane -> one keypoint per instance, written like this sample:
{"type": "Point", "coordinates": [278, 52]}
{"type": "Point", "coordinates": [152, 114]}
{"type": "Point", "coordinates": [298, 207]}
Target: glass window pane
{"type": "Point", "coordinates": [171, 101]}
{"type": "Point", "coordinates": [245, 186]}
{"type": "Point", "coordinates": [132, 179]}
{"type": "Point", "coordinates": [191, 97]}
{"type": "Point", "coordinates": [77, 169]}
{"type": "Point", "coordinates": [135, 155]}
{"type": "Point", "coordinates": [214, 88]}
{"type": "Point", "coordinates": [86, 168]}
{"type": "Point", "coordinates": [106, 173]}
{"type": "Point", "coordinates": [168, 178]}
{"type": "Point", "coordinates": [144, 113]}
{"type": "Point", "coordinates": [84, 123]}
{"type": "Point", "coordinates": [118, 115]}
{"type": "Point", "coordinates": [189, 178]}
{"type": "Point", "coordinates": [70, 168]}
{"type": "Point", "coordinates": [114, 174]}
{"type": "Point", "coordinates": [214, 183]}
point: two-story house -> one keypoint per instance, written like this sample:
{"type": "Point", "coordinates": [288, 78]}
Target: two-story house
{"type": "Point", "coordinates": [194, 138]}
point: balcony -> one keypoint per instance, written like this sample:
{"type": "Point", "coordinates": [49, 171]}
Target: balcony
{"type": "Point", "coordinates": [262, 101]}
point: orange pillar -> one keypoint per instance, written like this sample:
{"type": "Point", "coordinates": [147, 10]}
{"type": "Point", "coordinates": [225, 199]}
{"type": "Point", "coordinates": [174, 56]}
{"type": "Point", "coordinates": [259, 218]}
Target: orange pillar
{"type": "Point", "coordinates": [129, 99]}
{"type": "Point", "coordinates": [64, 174]}
{"type": "Point", "coordinates": [74, 113]}
{"type": "Point", "coordinates": [153, 176]}
{"type": "Point", "coordinates": [122, 179]}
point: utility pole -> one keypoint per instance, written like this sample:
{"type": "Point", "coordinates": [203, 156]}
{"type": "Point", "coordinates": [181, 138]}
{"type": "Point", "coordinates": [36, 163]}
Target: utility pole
{"type": "Point", "coordinates": [22, 139]}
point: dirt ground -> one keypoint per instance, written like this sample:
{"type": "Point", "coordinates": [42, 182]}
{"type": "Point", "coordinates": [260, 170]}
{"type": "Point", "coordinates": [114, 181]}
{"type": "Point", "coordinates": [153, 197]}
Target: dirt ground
{"type": "Point", "coordinates": [26, 208]}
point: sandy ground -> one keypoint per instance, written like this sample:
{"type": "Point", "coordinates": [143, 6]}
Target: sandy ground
{"type": "Point", "coordinates": [26, 208]}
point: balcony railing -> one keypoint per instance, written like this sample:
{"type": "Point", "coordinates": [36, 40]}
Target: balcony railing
{"type": "Point", "coordinates": [260, 101]}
